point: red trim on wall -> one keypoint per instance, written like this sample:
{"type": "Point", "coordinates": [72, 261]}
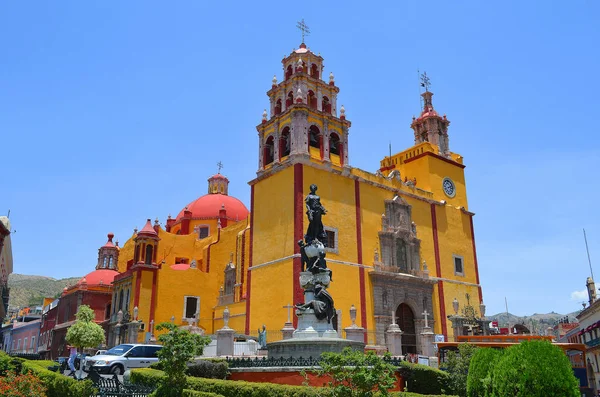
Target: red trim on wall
{"type": "Point", "coordinates": [138, 285]}
{"type": "Point", "coordinates": [298, 296]}
{"type": "Point", "coordinates": [153, 298]}
{"type": "Point", "coordinates": [475, 257]}
{"type": "Point", "coordinates": [248, 288]}
{"type": "Point", "coordinates": [443, 309]}
{"type": "Point", "coordinates": [242, 267]}
{"type": "Point", "coordinates": [418, 156]}
{"type": "Point", "coordinates": [438, 269]}
{"type": "Point", "coordinates": [361, 270]}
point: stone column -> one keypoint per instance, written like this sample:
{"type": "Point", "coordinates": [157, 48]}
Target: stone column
{"type": "Point", "coordinates": [225, 336]}
{"type": "Point", "coordinates": [394, 337]}
{"type": "Point", "coordinates": [276, 148]}
{"type": "Point", "coordinates": [134, 328]}
{"type": "Point", "coordinates": [260, 151]}
{"type": "Point", "coordinates": [354, 332]}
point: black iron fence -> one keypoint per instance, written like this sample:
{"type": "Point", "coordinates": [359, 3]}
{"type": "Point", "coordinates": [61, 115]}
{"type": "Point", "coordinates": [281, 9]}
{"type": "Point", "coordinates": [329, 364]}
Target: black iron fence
{"type": "Point", "coordinates": [288, 362]}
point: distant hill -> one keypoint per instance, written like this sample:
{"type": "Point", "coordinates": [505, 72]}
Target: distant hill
{"type": "Point", "coordinates": [31, 290]}
{"type": "Point", "coordinates": [537, 320]}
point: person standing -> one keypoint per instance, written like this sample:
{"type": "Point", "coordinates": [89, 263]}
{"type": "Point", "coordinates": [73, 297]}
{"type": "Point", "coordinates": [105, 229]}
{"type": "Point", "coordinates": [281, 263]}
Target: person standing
{"type": "Point", "coordinates": [72, 356]}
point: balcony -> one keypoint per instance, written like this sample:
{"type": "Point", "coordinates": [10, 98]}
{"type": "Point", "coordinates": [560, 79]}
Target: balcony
{"type": "Point", "coordinates": [593, 343]}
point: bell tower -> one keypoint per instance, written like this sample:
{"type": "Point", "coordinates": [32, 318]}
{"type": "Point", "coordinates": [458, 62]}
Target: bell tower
{"type": "Point", "coordinates": [430, 127]}
{"type": "Point", "coordinates": [303, 121]}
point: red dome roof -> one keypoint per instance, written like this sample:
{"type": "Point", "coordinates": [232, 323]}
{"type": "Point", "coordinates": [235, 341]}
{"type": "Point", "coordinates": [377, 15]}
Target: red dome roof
{"type": "Point", "coordinates": [209, 205]}
{"type": "Point", "coordinates": [99, 277]}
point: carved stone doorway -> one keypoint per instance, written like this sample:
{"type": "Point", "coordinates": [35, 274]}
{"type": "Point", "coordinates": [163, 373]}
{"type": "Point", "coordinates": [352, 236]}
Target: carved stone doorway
{"type": "Point", "coordinates": [406, 320]}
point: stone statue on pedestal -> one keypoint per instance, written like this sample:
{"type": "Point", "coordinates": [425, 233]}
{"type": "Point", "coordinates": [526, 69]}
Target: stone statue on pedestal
{"type": "Point", "coordinates": [314, 210]}
{"type": "Point", "coordinates": [322, 305]}
{"type": "Point", "coordinates": [262, 337]}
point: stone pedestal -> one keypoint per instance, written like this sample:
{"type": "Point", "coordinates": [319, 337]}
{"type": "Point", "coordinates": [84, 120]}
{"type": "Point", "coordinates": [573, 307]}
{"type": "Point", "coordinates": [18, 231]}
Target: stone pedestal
{"type": "Point", "coordinates": [225, 341]}
{"type": "Point", "coordinates": [288, 330]}
{"type": "Point", "coordinates": [433, 362]}
{"type": "Point", "coordinates": [427, 338]}
{"type": "Point", "coordinates": [394, 340]}
{"type": "Point", "coordinates": [313, 336]}
{"type": "Point", "coordinates": [355, 333]}
{"type": "Point", "coordinates": [133, 328]}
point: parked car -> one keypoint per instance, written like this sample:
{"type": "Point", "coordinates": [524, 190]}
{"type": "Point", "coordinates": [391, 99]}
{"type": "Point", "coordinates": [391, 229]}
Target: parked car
{"type": "Point", "coordinates": [123, 357]}
{"type": "Point", "coordinates": [86, 366]}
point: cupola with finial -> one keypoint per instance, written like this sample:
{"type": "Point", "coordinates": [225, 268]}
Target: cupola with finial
{"type": "Point", "coordinates": [430, 126]}
{"type": "Point", "coordinates": [108, 254]}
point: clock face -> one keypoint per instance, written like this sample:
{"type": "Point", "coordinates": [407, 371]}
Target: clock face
{"type": "Point", "coordinates": [449, 187]}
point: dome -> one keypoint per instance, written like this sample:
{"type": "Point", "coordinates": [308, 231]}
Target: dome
{"type": "Point", "coordinates": [99, 277]}
{"type": "Point", "coordinates": [209, 205]}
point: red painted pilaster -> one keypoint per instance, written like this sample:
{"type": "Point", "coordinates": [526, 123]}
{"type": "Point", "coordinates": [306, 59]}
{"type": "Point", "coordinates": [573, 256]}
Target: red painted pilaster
{"type": "Point", "coordinates": [138, 286]}
{"type": "Point", "coordinates": [438, 269]}
{"type": "Point", "coordinates": [361, 270]}
{"type": "Point", "coordinates": [153, 298]}
{"type": "Point", "coordinates": [475, 258]}
{"type": "Point", "coordinates": [249, 287]}
{"type": "Point", "coordinates": [298, 295]}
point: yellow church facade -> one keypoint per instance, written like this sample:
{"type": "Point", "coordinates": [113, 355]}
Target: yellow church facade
{"type": "Point", "coordinates": [400, 242]}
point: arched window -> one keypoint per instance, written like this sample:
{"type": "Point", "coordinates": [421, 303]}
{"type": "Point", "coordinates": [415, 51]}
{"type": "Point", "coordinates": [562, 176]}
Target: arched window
{"type": "Point", "coordinates": [110, 261]}
{"type": "Point", "coordinates": [312, 99]}
{"type": "Point", "coordinates": [290, 100]}
{"type": "Point", "coordinates": [285, 143]}
{"type": "Point", "coordinates": [315, 139]}
{"type": "Point", "coordinates": [278, 107]}
{"type": "Point", "coordinates": [148, 258]}
{"type": "Point", "coordinates": [334, 144]}
{"type": "Point", "coordinates": [104, 262]}
{"type": "Point", "coordinates": [269, 153]}
{"type": "Point", "coordinates": [326, 105]}
{"type": "Point", "coordinates": [288, 72]}
{"type": "Point", "coordinates": [120, 300]}
{"type": "Point", "coordinates": [314, 71]}
{"type": "Point", "coordinates": [136, 257]}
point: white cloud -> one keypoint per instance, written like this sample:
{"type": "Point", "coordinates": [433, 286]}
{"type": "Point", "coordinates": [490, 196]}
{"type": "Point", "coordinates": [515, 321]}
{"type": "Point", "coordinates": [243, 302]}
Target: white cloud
{"type": "Point", "coordinates": [579, 296]}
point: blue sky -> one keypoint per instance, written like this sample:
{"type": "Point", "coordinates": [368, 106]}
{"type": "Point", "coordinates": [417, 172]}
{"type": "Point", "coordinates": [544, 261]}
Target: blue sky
{"type": "Point", "coordinates": [113, 112]}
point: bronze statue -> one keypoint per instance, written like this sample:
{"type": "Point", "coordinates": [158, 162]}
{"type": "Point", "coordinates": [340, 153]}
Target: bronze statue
{"type": "Point", "coordinates": [315, 210]}
{"type": "Point", "coordinates": [315, 261]}
{"type": "Point", "coordinates": [322, 304]}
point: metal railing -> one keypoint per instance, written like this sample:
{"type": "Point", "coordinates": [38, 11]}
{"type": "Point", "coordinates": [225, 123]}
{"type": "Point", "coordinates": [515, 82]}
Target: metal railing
{"type": "Point", "coordinates": [289, 362]}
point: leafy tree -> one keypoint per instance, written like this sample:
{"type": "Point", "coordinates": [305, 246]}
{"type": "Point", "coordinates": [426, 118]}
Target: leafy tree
{"type": "Point", "coordinates": [179, 347]}
{"type": "Point", "coordinates": [457, 365]}
{"type": "Point", "coordinates": [356, 374]}
{"type": "Point", "coordinates": [534, 369]}
{"type": "Point", "coordinates": [85, 333]}
{"type": "Point", "coordinates": [479, 379]}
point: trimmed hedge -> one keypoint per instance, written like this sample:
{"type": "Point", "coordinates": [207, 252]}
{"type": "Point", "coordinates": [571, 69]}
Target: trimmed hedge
{"type": "Point", "coordinates": [229, 388]}
{"type": "Point", "coordinates": [479, 379]}
{"type": "Point", "coordinates": [57, 384]}
{"type": "Point", "coordinates": [425, 380]}
{"type": "Point", "coordinates": [194, 393]}
{"type": "Point", "coordinates": [411, 394]}
{"type": "Point", "coordinates": [212, 369]}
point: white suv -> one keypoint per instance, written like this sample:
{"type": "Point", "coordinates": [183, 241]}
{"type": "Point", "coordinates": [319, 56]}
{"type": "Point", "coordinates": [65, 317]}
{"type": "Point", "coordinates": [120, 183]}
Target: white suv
{"type": "Point", "coordinates": [123, 357]}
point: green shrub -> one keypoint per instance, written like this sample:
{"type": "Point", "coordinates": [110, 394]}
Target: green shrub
{"type": "Point", "coordinates": [194, 393]}
{"type": "Point", "coordinates": [480, 371]}
{"type": "Point", "coordinates": [534, 369]}
{"type": "Point", "coordinates": [411, 394]}
{"type": "Point", "coordinates": [423, 379]}
{"type": "Point", "coordinates": [457, 366]}
{"type": "Point", "coordinates": [58, 385]}
{"type": "Point", "coordinates": [212, 369]}
{"type": "Point", "coordinates": [6, 364]}
{"type": "Point", "coordinates": [147, 376]}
